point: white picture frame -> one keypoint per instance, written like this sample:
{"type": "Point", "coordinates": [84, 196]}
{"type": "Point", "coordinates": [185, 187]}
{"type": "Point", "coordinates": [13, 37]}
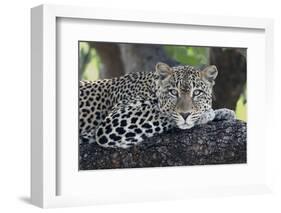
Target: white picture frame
{"type": "Point", "coordinates": [45, 168]}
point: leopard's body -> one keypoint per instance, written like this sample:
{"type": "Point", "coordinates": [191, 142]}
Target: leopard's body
{"type": "Point", "coordinates": [122, 112]}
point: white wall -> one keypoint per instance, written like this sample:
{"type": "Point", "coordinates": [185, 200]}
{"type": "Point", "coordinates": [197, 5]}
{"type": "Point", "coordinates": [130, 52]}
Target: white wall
{"type": "Point", "coordinates": [15, 98]}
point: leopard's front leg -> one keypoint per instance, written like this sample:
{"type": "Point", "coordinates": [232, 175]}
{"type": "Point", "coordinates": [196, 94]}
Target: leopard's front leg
{"type": "Point", "coordinates": [216, 115]}
{"type": "Point", "coordinates": [128, 125]}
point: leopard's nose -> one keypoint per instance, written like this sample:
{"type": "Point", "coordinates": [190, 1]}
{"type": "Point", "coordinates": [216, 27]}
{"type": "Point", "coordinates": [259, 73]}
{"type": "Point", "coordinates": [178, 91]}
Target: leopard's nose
{"type": "Point", "coordinates": [185, 115]}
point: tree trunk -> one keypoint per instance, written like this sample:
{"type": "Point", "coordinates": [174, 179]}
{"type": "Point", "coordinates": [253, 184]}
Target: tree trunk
{"type": "Point", "coordinates": [119, 59]}
{"type": "Point", "coordinates": [112, 64]}
{"type": "Point", "coordinates": [143, 57]}
{"type": "Point", "coordinates": [222, 142]}
{"type": "Point", "coordinates": [231, 80]}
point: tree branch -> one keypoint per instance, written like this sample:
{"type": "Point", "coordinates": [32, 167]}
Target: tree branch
{"type": "Point", "coordinates": [222, 142]}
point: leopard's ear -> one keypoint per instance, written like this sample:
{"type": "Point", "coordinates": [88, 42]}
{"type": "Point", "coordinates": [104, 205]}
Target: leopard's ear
{"type": "Point", "coordinates": [209, 74]}
{"type": "Point", "coordinates": [163, 70]}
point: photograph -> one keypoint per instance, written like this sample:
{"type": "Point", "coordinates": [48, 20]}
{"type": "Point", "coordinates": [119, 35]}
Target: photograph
{"type": "Point", "coordinates": [159, 105]}
{"type": "Point", "coordinates": [150, 105]}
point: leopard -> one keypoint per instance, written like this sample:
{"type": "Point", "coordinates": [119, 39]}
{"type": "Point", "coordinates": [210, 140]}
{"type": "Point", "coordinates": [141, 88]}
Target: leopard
{"type": "Point", "coordinates": [123, 111]}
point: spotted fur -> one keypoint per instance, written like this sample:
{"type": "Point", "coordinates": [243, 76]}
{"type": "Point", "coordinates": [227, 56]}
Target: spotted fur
{"type": "Point", "coordinates": [122, 112]}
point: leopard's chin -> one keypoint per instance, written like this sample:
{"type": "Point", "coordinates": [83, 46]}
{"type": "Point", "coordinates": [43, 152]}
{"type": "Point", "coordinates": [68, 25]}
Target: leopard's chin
{"type": "Point", "coordinates": [185, 126]}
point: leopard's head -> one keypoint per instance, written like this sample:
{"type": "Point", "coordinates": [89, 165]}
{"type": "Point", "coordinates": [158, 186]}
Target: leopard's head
{"type": "Point", "coordinates": [185, 92]}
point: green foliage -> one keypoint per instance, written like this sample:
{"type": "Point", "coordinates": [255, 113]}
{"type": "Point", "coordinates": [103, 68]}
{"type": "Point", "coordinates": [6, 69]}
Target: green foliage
{"type": "Point", "coordinates": [241, 107]}
{"type": "Point", "coordinates": [188, 55]}
{"type": "Point", "coordinates": [90, 62]}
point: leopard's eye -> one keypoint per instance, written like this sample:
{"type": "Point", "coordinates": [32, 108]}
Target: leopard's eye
{"type": "Point", "coordinates": [173, 92]}
{"type": "Point", "coordinates": [197, 92]}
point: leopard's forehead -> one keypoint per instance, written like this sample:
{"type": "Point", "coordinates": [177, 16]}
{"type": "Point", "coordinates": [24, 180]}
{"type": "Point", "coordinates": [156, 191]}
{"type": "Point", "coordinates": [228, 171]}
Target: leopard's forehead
{"type": "Point", "coordinates": [187, 77]}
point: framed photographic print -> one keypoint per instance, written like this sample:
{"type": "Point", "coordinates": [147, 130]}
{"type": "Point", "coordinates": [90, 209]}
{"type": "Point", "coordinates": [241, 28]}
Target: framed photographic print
{"type": "Point", "coordinates": [130, 106]}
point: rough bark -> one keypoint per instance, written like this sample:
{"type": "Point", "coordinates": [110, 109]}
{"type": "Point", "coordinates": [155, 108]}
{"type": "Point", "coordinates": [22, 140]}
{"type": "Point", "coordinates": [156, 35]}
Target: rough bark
{"type": "Point", "coordinates": [231, 81]}
{"type": "Point", "coordinates": [222, 142]}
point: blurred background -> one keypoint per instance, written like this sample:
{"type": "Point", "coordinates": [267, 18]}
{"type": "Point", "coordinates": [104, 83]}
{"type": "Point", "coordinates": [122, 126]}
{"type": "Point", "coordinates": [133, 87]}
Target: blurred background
{"type": "Point", "coordinates": [99, 60]}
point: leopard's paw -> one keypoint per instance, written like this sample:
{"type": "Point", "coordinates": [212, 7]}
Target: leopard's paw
{"type": "Point", "coordinates": [206, 117]}
{"type": "Point", "coordinates": [224, 114]}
